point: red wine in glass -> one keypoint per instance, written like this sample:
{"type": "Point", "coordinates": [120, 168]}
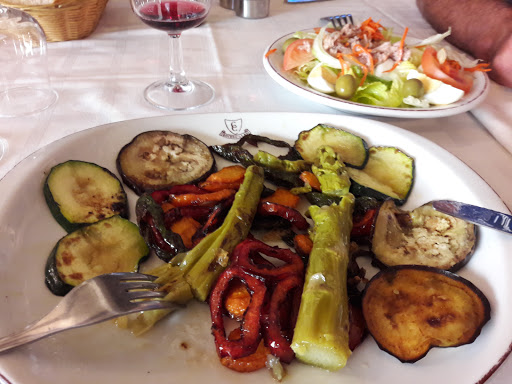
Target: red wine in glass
{"type": "Point", "coordinates": [176, 92]}
{"type": "Point", "coordinates": [173, 16]}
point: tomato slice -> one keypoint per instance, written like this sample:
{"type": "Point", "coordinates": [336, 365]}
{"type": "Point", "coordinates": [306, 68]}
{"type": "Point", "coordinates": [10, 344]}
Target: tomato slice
{"type": "Point", "coordinates": [448, 74]}
{"type": "Point", "coordinates": [298, 53]}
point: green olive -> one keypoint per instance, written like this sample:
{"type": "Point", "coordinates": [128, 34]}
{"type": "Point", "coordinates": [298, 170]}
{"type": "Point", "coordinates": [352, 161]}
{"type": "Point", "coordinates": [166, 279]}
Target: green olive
{"type": "Point", "coordinates": [413, 87]}
{"type": "Point", "coordinates": [346, 86]}
{"type": "Point", "coordinates": [288, 42]}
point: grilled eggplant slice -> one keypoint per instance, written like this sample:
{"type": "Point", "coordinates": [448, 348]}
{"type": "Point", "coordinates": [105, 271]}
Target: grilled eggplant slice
{"type": "Point", "coordinates": [389, 173]}
{"type": "Point", "coordinates": [352, 149]}
{"type": "Point", "coordinates": [410, 309]}
{"type": "Point", "coordinates": [156, 160]}
{"type": "Point", "coordinates": [423, 236]}
{"type": "Point", "coordinates": [80, 193]}
{"type": "Point", "coordinates": [110, 245]}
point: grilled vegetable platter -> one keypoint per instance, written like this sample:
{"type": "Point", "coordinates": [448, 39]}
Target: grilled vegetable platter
{"type": "Point", "coordinates": [305, 255]}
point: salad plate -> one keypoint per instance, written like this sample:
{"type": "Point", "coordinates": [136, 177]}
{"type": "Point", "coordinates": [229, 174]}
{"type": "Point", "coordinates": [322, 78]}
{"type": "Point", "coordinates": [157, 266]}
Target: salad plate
{"type": "Point", "coordinates": [180, 348]}
{"type": "Point", "coordinates": [273, 64]}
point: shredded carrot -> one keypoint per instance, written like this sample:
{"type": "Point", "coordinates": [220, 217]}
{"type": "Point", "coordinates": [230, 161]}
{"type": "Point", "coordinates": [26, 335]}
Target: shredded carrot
{"type": "Point", "coordinates": [344, 65]}
{"type": "Point", "coordinates": [186, 227]}
{"type": "Point", "coordinates": [402, 43]}
{"type": "Point", "coordinates": [270, 52]}
{"type": "Point", "coordinates": [371, 30]}
{"type": "Point", "coordinates": [249, 363]}
{"type": "Point", "coordinates": [481, 67]}
{"type": "Point", "coordinates": [284, 197]}
{"type": "Point", "coordinates": [359, 50]}
{"type": "Point", "coordinates": [365, 68]}
{"type": "Point", "coordinates": [311, 179]}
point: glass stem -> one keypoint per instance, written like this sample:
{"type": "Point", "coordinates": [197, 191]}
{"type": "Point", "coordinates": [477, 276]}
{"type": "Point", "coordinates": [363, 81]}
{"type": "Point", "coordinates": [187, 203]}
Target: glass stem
{"type": "Point", "coordinates": [177, 77]}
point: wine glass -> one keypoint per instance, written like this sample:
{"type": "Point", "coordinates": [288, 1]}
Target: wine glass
{"type": "Point", "coordinates": [174, 16]}
{"type": "Point", "coordinates": [24, 82]}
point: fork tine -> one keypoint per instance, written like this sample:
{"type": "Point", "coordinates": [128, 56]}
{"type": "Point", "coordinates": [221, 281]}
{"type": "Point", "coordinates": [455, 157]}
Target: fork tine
{"type": "Point", "coordinates": [131, 285]}
{"type": "Point", "coordinates": [134, 276]}
{"type": "Point", "coordinates": [339, 21]}
{"type": "Point", "coordinates": [138, 295]}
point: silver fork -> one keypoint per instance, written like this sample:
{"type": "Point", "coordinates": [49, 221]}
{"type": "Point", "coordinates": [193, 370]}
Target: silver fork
{"type": "Point", "coordinates": [338, 21]}
{"type": "Point", "coordinates": [98, 299]}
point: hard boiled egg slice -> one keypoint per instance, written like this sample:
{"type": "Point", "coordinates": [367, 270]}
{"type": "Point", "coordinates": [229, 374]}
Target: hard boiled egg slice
{"type": "Point", "coordinates": [436, 92]}
{"type": "Point", "coordinates": [322, 79]}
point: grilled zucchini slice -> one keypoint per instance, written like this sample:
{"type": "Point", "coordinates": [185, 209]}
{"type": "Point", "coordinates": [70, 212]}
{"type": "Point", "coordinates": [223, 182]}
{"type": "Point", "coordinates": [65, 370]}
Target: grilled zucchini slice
{"type": "Point", "coordinates": [389, 173]}
{"type": "Point", "coordinates": [351, 149]}
{"type": "Point", "coordinates": [80, 193]}
{"type": "Point", "coordinates": [108, 246]}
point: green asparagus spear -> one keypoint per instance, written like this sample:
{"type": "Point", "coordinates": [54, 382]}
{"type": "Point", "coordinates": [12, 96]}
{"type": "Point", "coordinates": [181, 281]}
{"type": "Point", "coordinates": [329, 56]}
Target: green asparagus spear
{"type": "Point", "coordinates": [321, 333]}
{"type": "Point", "coordinates": [203, 267]}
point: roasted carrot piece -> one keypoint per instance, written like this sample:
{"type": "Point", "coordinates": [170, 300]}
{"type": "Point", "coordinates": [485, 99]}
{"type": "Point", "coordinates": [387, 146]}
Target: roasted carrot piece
{"type": "Point", "coordinates": [203, 199]}
{"type": "Point", "coordinates": [310, 178]}
{"type": "Point", "coordinates": [284, 197]}
{"type": "Point", "coordinates": [237, 300]}
{"type": "Point", "coordinates": [227, 178]}
{"type": "Point", "coordinates": [303, 244]}
{"type": "Point", "coordinates": [231, 174]}
{"type": "Point", "coordinates": [249, 363]}
{"type": "Point", "coordinates": [167, 206]}
{"type": "Point", "coordinates": [186, 227]}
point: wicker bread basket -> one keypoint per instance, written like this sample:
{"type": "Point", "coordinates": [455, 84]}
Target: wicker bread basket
{"type": "Point", "coordinates": [64, 20]}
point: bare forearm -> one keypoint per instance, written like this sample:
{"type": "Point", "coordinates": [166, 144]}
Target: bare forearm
{"type": "Point", "coordinates": [478, 26]}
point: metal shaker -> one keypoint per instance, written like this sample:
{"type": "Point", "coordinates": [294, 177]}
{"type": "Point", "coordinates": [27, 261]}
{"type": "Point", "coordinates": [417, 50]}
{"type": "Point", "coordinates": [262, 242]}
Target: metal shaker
{"type": "Point", "coordinates": [252, 9]}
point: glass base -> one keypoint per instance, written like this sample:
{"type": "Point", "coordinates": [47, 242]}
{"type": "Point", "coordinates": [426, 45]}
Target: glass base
{"type": "Point", "coordinates": [164, 95]}
{"type": "Point", "coordinates": [26, 100]}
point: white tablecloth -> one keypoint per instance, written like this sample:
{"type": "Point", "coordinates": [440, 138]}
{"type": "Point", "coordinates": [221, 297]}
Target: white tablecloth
{"type": "Point", "coordinates": [100, 80]}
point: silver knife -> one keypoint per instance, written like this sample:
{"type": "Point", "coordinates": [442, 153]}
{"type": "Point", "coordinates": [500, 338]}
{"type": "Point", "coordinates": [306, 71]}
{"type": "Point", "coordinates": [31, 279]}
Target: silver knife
{"type": "Point", "coordinates": [476, 215]}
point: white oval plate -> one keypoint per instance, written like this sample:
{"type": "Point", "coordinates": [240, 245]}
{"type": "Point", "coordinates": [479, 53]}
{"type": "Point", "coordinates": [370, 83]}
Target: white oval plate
{"type": "Point", "coordinates": [273, 64]}
{"type": "Point", "coordinates": [181, 349]}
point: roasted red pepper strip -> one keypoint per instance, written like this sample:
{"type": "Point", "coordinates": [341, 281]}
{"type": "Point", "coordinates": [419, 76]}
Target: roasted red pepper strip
{"type": "Point", "coordinates": [250, 327]}
{"type": "Point", "coordinates": [161, 196]}
{"type": "Point", "coordinates": [244, 256]}
{"type": "Point", "coordinates": [200, 199]}
{"type": "Point", "coordinates": [273, 323]}
{"type": "Point", "coordinates": [292, 215]}
{"type": "Point", "coordinates": [364, 226]}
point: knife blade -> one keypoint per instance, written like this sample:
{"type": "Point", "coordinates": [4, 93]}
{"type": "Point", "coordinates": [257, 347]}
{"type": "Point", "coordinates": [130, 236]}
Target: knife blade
{"type": "Point", "coordinates": [476, 215]}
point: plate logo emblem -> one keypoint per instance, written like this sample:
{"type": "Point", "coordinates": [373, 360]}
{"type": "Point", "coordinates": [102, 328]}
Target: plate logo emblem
{"type": "Point", "coordinates": [234, 129]}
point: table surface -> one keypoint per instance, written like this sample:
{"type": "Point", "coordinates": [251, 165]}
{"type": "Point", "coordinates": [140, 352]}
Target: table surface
{"type": "Point", "coordinates": [100, 80]}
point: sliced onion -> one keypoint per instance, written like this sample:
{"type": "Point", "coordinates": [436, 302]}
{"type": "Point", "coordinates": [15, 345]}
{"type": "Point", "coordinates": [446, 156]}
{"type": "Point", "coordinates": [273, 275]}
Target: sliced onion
{"type": "Point", "coordinates": [321, 54]}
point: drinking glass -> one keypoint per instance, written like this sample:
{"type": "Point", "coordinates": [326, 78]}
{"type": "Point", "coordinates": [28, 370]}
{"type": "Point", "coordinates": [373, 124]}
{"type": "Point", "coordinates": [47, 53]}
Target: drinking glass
{"type": "Point", "coordinates": [24, 82]}
{"type": "Point", "coordinates": [175, 16]}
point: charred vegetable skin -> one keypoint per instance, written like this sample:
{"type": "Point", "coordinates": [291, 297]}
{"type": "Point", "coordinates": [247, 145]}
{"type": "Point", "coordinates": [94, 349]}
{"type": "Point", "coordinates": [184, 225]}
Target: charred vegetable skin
{"type": "Point", "coordinates": [110, 245]}
{"type": "Point", "coordinates": [158, 160]}
{"type": "Point", "coordinates": [162, 240]}
{"type": "Point", "coordinates": [423, 236]}
{"type": "Point", "coordinates": [410, 309]}
{"type": "Point", "coordinates": [80, 193]}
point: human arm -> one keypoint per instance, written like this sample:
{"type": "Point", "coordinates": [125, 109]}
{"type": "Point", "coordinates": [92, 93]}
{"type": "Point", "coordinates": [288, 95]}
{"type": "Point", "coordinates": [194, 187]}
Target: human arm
{"type": "Point", "coordinates": [483, 28]}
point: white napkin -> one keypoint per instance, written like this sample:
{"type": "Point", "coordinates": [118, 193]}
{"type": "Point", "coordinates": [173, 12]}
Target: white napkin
{"type": "Point", "coordinates": [495, 114]}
